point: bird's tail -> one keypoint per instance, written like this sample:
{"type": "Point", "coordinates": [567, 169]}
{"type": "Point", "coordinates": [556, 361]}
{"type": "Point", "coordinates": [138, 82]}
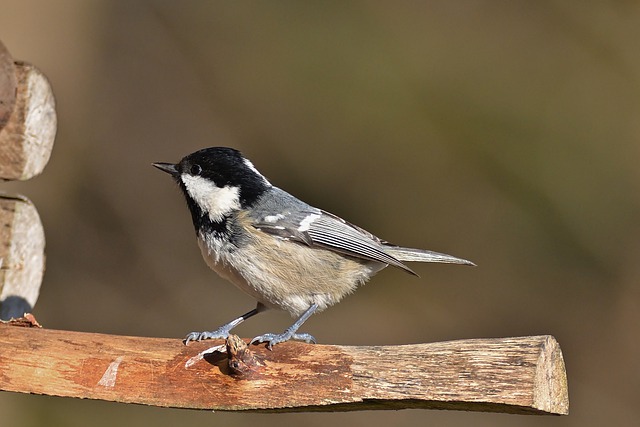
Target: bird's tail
{"type": "Point", "coordinates": [423, 255]}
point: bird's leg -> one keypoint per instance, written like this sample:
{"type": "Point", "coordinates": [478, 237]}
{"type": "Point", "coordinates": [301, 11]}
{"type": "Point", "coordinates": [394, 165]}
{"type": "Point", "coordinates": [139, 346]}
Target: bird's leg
{"type": "Point", "coordinates": [223, 331]}
{"type": "Point", "coordinates": [290, 332]}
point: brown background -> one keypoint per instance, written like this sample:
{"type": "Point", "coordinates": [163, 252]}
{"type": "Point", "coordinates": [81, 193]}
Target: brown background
{"type": "Point", "coordinates": [503, 132]}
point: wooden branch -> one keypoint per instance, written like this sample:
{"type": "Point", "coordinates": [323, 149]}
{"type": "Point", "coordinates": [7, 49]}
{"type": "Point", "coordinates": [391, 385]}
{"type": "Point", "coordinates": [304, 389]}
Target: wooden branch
{"type": "Point", "coordinates": [516, 375]}
{"type": "Point", "coordinates": [21, 256]}
{"type": "Point", "coordinates": [26, 140]}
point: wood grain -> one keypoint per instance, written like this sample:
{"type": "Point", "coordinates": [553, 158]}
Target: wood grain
{"type": "Point", "coordinates": [516, 375]}
{"type": "Point", "coordinates": [27, 138]}
{"type": "Point", "coordinates": [7, 85]}
{"type": "Point", "coordinates": [21, 256]}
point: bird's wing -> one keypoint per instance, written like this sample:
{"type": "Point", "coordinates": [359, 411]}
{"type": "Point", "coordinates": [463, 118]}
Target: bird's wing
{"type": "Point", "coordinates": [317, 228]}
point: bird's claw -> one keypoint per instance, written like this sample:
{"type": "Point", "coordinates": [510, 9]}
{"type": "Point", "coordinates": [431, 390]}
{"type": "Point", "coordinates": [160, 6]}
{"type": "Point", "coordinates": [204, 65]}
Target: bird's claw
{"type": "Point", "coordinates": [206, 335]}
{"type": "Point", "coordinates": [273, 339]}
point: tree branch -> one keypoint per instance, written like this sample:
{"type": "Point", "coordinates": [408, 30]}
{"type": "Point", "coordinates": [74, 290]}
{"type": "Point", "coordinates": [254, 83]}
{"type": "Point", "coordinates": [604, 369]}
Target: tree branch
{"type": "Point", "coordinates": [516, 375]}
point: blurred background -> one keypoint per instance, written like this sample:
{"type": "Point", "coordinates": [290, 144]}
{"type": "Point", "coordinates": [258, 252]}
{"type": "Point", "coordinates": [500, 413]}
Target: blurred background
{"type": "Point", "coordinates": [505, 132]}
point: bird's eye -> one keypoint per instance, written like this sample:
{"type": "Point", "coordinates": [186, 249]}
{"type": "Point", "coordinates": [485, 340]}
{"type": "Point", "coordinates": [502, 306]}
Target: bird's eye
{"type": "Point", "coordinates": [196, 170]}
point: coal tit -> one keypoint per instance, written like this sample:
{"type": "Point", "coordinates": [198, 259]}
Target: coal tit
{"type": "Point", "coordinates": [286, 254]}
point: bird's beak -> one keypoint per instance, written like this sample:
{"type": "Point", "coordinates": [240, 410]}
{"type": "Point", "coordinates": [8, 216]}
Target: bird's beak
{"type": "Point", "coordinates": [169, 168]}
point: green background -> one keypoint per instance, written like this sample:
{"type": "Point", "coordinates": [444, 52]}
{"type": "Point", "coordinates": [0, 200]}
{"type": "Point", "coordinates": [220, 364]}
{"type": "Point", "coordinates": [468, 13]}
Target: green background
{"type": "Point", "coordinates": [505, 132]}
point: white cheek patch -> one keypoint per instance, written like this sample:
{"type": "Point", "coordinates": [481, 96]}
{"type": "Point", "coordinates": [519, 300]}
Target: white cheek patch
{"type": "Point", "coordinates": [213, 200]}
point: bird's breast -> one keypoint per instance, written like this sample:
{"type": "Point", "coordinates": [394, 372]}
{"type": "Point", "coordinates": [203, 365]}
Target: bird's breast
{"type": "Point", "coordinates": [286, 275]}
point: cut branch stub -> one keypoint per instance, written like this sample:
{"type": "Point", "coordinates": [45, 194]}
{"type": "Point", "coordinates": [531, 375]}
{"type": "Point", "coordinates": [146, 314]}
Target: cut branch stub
{"type": "Point", "coordinates": [26, 140]}
{"type": "Point", "coordinates": [21, 256]}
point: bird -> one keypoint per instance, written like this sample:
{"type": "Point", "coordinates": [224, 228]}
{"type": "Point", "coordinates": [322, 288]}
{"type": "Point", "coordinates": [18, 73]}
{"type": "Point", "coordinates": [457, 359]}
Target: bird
{"type": "Point", "coordinates": [283, 252]}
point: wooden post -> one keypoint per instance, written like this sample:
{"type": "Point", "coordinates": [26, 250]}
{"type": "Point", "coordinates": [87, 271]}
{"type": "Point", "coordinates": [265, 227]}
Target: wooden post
{"type": "Point", "coordinates": [523, 375]}
{"type": "Point", "coordinates": [27, 131]}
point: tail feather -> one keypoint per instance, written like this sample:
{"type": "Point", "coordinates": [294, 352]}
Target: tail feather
{"type": "Point", "coordinates": [423, 255]}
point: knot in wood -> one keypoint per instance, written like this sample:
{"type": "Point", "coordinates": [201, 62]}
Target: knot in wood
{"type": "Point", "coordinates": [242, 361]}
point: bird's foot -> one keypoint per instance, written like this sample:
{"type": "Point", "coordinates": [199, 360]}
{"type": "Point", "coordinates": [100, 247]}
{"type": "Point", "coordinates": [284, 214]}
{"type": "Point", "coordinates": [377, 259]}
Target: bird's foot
{"type": "Point", "coordinates": [273, 339]}
{"type": "Point", "coordinates": [221, 333]}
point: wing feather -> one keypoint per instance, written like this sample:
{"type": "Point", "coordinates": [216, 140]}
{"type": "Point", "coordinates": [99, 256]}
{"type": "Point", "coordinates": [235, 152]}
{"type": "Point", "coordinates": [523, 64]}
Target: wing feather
{"type": "Point", "coordinates": [317, 228]}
